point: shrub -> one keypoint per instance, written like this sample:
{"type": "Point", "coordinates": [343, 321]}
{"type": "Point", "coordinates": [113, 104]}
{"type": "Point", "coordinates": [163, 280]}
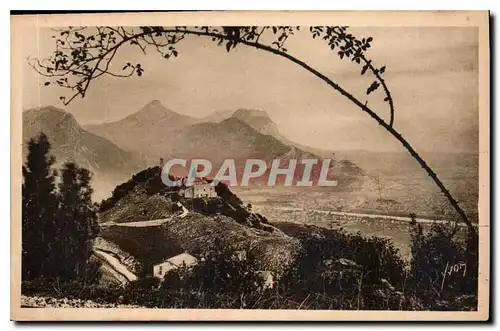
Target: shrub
{"type": "Point", "coordinates": [221, 271]}
{"type": "Point", "coordinates": [444, 267]}
{"type": "Point", "coordinates": [346, 271]}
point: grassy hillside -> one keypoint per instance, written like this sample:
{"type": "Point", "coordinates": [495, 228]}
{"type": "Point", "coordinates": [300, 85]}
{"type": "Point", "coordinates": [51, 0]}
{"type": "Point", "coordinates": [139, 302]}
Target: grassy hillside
{"type": "Point", "coordinates": [209, 222]}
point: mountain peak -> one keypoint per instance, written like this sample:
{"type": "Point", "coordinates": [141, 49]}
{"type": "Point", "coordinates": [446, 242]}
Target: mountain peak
{"type": "Point", "coordinates": [245, 112]}
{"type": "Point", "coordinates": [259, 120]}
{"type": "Point", "coordinates": [48, 109]}
{"type": "Point", "coordinates": [48, 113]}
{"type": "Point", "coordinates": [234, 121]}
{"type": "Point", "coordinates": [152, 111]}
{"type": "Point", "coordinates": [154, 103]}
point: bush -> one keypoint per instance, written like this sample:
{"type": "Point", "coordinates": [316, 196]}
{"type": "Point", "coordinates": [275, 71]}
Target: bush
{"type": "Point", "coordinates": [346, 271]}
{"type": "Point", "coordinates": [444, 268]}
{"type": "Point", "coordinates": [221, 271]}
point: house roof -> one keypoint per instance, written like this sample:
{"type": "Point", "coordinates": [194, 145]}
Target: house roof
{"type": "Point", "coordinates": [186, 258]}
{"type": "Point", "coordinates": [196, 182]}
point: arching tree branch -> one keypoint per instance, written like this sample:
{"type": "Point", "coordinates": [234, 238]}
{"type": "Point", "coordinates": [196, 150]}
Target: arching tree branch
{"type": "Point", "coordinates": [105, 42]}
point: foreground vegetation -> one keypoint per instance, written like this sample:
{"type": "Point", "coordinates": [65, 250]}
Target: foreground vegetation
{"type": "Point", "coordinates": [333, 270]}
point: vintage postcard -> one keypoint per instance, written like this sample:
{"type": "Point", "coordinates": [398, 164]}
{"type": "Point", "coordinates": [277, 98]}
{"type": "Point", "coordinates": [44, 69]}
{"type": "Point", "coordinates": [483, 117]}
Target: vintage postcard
{"type": "Point", "coordinates": [251, 166]}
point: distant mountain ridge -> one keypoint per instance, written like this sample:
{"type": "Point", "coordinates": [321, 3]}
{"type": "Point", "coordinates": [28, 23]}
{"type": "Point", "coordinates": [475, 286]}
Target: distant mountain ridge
{"type": "Point", "coordinates": [138, 131]}
{"type": "Point", "coordinates": [157, 132]}
{"type": "Point", "coordinates": [70, 142]}
{"type": "Point", "coordinates": [260, 121]}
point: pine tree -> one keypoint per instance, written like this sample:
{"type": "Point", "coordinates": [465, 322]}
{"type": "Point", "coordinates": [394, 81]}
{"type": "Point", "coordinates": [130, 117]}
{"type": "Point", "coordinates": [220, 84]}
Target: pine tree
{"type": "Point", "coordinates": [77, 222]}
{"type": "Point", "coordinates": [58, 228]}
{"type": "Point", "coordinates": [39, 208]}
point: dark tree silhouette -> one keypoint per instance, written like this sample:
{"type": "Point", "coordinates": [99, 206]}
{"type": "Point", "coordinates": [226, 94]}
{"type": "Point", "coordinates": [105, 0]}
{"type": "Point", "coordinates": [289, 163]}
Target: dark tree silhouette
{"type": "Point", "coordinates": [77, 223]}
{"type": "Point", "coordinates": [39, 208]}
{"type": "Point", "coordinates": [58, 227]}
{"type": "Point", "coordinates": [84, 54]}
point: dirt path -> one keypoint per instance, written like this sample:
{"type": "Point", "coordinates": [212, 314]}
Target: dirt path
{"type": "Point", "coordinates": [156, 222]}
{"type": "Point", "coordinates": [144, 223]}
{"type": "Point", "coordinates": [115, 264]}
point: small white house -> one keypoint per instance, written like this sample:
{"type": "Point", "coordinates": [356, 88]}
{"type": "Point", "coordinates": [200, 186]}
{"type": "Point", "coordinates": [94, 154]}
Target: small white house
{"type": "Point", "coordinates": [181, 260]}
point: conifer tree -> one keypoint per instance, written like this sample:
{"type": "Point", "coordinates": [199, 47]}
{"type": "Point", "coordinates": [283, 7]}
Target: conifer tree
{"type": "Point", "coordinates": [39, 208]}
{"type": "Point", "coordinates": [58, 227]}
{"type": "Point", "coordinates": [77, 222]}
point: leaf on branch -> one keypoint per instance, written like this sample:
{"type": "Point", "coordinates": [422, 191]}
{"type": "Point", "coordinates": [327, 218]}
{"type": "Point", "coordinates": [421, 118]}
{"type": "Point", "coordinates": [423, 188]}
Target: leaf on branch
{"type": "Point", "coordinates": [386, 99]}
{"type": "Point", "coordinates": [372, 87]}
{"type": "Point", "coordinates": [139, 69]}
{"type": "Point", "coordinates": [46, 83]}
{"type": "Point", "coordinates": [365, 67]}
{"type": "Point", "coordinates": [228, 45]}
{"type": "Point", "coordinates": [382, 70]}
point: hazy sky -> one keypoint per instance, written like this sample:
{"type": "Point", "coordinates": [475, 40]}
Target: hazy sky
{"type": "Point", "coordinates": [432, 73]}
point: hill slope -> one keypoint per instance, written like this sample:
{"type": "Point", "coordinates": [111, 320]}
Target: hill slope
{"type": "Point", "coordinates": [144, 198]}
{"type": "Point", "coordinates": [70, 142]}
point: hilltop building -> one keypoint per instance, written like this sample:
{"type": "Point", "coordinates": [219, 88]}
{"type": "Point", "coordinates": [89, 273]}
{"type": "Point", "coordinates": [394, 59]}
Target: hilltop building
{"type": "Point", "coordinates": [175, 262]}
{"type": "Point", "coordinates": [200, 188]}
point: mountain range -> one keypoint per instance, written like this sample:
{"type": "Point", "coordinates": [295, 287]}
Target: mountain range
{"type": "Point", "coordinates": [262, 123]}
{"type": "Point", "coordinates": [158, 132]}
{"type": "Point", "coordinates": [120, 148]}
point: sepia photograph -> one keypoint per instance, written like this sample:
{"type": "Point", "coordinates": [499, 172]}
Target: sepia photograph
{"type": "Point", "coordinates": [250, 166]}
